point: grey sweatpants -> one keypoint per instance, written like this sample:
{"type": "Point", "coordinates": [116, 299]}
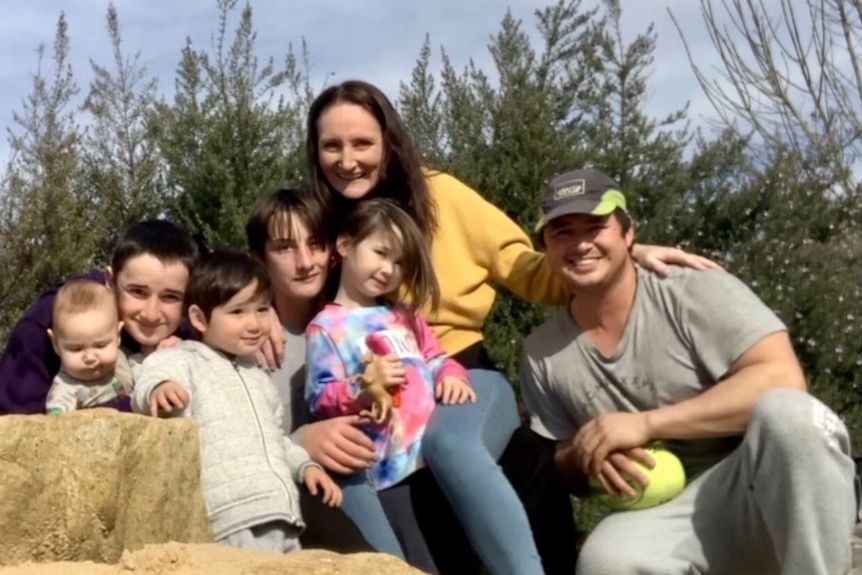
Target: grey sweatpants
{"type": "Point", "coordinates": [783, 502]}
{"type": "Point", "coordinates": [275, 536]}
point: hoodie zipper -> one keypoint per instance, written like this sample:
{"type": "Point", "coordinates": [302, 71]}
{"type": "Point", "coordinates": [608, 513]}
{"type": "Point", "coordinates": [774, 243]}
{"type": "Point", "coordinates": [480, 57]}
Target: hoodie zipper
{"type": "Point", "coordinates": [262, 438]}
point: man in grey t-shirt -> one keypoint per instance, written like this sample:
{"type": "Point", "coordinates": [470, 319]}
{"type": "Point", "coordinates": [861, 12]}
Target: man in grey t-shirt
{"type": "Point", "coordinates": [697, 363]}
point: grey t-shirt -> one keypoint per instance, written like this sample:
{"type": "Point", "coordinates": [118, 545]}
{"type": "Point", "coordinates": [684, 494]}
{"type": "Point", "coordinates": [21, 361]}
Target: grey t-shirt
{"type": "Point", "coordinates": [289, 379]}
{"type": "Point", "coordinates": [682, 336]}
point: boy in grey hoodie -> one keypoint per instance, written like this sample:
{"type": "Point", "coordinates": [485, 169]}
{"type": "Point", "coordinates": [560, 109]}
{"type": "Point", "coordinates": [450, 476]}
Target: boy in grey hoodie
{"type": "Point", "coordinates": [249, 469]}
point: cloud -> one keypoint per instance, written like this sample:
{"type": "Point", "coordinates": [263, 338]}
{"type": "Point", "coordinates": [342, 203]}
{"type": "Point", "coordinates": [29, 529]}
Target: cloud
{"type": "Point", "coordinates": [376, 40]}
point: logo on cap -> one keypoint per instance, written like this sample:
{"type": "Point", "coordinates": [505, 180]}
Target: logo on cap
{"type": "Point", "coordinates": [575, 188]}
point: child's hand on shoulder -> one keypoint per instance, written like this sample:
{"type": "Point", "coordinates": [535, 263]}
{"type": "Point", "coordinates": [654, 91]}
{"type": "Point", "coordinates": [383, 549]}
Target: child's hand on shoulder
{"type": "Point", "coordinates": [168, 397]}
{"type": "Point", "coordinates": [451, 390]}
{"type": "Point", "coordinates": [271, 352]}
{"type": "Point", "coordinates": [317, 481]}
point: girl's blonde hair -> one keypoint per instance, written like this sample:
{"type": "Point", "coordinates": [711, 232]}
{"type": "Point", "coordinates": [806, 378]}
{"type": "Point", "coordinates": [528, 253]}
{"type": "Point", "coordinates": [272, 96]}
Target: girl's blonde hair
{"type": "Point", "coordinates": [384, 216]}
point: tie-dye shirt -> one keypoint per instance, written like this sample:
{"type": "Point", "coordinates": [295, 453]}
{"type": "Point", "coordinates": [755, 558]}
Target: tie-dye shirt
{"type": "Point", "coordinates": [337, 345]}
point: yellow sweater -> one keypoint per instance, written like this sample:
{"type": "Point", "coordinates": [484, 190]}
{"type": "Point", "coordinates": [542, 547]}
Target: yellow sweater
{"type": "Point", "coordinates": [475, 245]}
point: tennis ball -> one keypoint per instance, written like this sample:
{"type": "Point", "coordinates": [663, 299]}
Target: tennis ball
{"type": "Point", "coordinates": [666, 481]}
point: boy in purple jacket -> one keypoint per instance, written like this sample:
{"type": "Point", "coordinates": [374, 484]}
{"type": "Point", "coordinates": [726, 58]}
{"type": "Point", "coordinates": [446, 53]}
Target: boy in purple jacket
{"type": "Point", "coordinates": [148, 275]}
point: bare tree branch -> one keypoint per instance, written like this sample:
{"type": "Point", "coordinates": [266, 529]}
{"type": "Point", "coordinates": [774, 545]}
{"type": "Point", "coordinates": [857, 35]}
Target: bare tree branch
{"type": "Point", "coordinates": [790, 73]}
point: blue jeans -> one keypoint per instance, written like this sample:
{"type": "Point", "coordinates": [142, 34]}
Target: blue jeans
{"type": "Point", "coordinates": [386, 519]}
{"type": "Point", "coordinates": [361, 503]}
{"type": "Point", "coordinates": [461, 446]}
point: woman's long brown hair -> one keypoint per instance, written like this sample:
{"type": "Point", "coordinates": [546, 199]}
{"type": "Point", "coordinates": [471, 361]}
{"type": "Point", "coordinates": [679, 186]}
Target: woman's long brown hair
{"type": "Point", "coordinates": [402, 179]}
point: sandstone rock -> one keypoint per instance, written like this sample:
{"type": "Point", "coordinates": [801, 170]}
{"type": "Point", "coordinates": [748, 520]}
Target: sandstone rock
{"type": "Point", "coordinates": [89, 484]}
{"type": "Point", "coordinates": [185, 559]}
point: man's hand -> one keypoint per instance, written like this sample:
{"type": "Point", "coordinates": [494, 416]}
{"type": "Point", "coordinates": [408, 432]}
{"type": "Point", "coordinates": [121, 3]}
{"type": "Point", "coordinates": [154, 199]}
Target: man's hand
{"type": "Point", "coordinates": [168, 397]}
{"type": "Point", "coordinates": [317, 481]}
{"type": "Point", "coordinates": [451, 389]}
{"type": "Point", "coordinates": [618, 466]}
{"type": "Point", "coordinates": [338, 444]}
{"type": "Point", "coordinates": [657, 259]}
{"type": "Point", "coordinates": [609, 432]}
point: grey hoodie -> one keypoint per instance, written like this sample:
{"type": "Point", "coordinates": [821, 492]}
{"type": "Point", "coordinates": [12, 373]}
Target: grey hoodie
{"type": "Point", "coordinates": [249, 469]}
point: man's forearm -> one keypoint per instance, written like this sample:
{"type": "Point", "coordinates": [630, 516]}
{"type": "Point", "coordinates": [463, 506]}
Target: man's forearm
{"type": "Point", "coordinates": [724, 409]}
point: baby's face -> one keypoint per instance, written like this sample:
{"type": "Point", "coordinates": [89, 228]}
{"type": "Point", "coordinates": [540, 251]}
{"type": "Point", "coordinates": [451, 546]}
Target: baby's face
{"type": "Point", "coordinates": [87, 343]}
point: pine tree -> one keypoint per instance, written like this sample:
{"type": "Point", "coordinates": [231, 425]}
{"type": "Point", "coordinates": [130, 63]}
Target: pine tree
{"type": "Point", "coordinates": [124, 173]}
{"type": "Point", "coordinates": [231, 134]}
{"type": "Point", "coordinates": [575, 96]}
{"type": "Point", "coordinates": [46, 223]}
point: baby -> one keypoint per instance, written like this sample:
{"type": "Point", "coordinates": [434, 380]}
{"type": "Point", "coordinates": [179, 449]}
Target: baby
{"type": "Point", "coordinates": [85, 333]}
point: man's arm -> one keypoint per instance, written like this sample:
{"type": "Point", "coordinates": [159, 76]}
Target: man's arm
{"type": "Point", "coordinates": [338, 444]}
{"type": "Point", "coordinates": [722, 410]}
{"type": "Point", "coordinates": [742, 346]}
{"type": "Point", "coordinates": [725, 408]}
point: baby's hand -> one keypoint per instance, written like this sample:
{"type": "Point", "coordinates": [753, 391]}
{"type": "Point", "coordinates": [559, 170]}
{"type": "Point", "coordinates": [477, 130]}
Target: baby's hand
{"type": "Point", "coordinates": [453, 389]}
{"type": "Point", "coordinates": [316, 480]}
{"type": "Point", "coordinates": [168, 397]}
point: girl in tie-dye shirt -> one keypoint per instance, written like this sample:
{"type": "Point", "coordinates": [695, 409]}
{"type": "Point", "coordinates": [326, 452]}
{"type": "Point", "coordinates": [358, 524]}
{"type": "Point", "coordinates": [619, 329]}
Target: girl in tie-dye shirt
{"type": "Point", "coordinates": [382, 252]}
{"type": "Point", "coordinates": [383, 255]}
{"type": "Point", "coordinates": [340, 339]}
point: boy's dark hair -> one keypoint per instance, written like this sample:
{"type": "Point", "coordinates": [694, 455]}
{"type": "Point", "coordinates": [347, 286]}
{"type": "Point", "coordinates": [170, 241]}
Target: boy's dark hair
{"type": "Point", "coordinates": [220, 275]}
{"type": "Point", "coordinates": [164, 240]}
{"type": "Point", "coordinates": [277, 210]}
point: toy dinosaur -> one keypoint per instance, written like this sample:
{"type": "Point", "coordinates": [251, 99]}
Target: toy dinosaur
{"type": "Point", "coordinates": [379, 345]}
{"type": "Point", "coordinates": [370, 382]}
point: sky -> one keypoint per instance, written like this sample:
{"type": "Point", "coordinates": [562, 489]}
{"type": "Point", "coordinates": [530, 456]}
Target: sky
{"type": "Point", "coordinates": [374, 40]}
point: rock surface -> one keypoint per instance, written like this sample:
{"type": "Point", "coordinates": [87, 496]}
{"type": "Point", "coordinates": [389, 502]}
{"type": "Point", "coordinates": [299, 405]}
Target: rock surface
{"type": "Point", "coordinates": [89, 484]}
{"type": "Point", "coordinates": [185, 559]}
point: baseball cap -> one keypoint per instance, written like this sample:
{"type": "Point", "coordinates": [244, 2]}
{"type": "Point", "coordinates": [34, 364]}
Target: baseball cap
{"type": "Point", "coordinates": [585, 191]}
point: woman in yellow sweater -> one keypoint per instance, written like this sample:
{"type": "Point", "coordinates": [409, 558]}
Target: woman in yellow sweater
{"type": "Point", "coordinates": [357, 147]}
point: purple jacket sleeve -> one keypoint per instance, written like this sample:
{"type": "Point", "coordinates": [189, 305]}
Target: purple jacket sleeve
{"type": "Point", "coordinates": [28, 363]}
